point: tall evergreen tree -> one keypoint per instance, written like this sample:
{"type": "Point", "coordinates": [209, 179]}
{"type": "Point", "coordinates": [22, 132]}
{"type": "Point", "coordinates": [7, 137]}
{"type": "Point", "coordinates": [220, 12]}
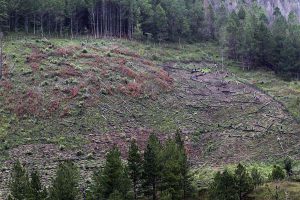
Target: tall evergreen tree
{"type": "Point", "coordinates": [37, 190]}
{"type": "Point", "coordinates": [172, 170]}
{"type": "Point", "coordinates": [256, 177]}
{"type": "Point", "coordinates": [65, 184]}
{"type": "Point", "coordinates": [288, 166]}
{"type": "Point", "coordinates": [19, 184]}
{"type": "Point", "coordinates": [232, 32]}
{"type": "Point", "coordinates": [112, 180]}
{"type": "Point", "coordinates": [186, 179]}
{"type": "Point", "coordinates": [243, 180]}
{"type": "Point", "coordinates": [135, 167]}
{"type": "Point", "coordinates": [152, 167]}
{"type": "Point", "coordinates": [224, 187]}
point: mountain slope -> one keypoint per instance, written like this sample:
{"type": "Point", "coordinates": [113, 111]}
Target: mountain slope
{"type": "Point", "coordinates": [75, 99]}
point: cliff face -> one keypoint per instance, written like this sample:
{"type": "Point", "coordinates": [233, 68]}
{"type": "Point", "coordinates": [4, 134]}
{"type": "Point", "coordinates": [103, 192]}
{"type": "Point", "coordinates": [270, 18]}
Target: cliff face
{"type": "Point", "coordinates": [286, 6]}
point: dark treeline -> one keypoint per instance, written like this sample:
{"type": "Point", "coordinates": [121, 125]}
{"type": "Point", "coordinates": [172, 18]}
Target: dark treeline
{"type": "Point", "coordinates": [161, 172]}
{"type": "Point", "coordinates": [246, 34]}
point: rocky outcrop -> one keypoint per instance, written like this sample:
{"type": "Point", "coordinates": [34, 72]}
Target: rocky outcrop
{"type": "Point", "coordinates": [286, 6]}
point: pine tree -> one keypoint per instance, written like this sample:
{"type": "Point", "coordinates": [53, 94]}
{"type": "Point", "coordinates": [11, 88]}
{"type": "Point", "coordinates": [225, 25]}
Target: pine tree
{"type": "Point", "coordinates": [95, 190]}
{"type": "Point", "coordinates": [277, 173]}
{"type": "Point", "coordinates": [116, 195]}
{"type": "Point", "coordinates": [152, 167]}
{"type": "Point", "coordinates": [19, 184]}
{"type": "Point", "coordinates": [232, 32]}
{"type": "Point", "coordinates": [279, 28]}
{"type": "Point", "coordinates": [172, 169]}
{"type": "Point", "coordinates": [288, 166]}
{"type": "Point", "coordinates": [186, 181]}
{"type": "Point", "coordinates": [256, 177]}
{"type": "Point", "coordinates": [113, 178]}
{"type": "Point", "coordinates": [37, 190]}
{"type": "Point", "coordinates": [243, 180]}
{"type": "Point", "coordinates": [135, 167]}
{"type": "Point", "coordinates": [161, 25]}
{"type": "Point", "coordinates": [224, 187]}
{"type": "Point", "coordinates": [65, 184]}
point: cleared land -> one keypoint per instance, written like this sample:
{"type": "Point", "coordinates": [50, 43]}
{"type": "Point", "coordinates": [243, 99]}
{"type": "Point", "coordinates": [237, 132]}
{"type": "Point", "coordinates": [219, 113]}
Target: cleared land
{"type": "Point", "coordinates": [63, 99]}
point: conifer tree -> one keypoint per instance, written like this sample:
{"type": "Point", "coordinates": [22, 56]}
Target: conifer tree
{"type": "Point", "coordinates": [243, 181]}
{"type": "Point", "coordinates": [224, 187]}
{"type": "Point", "coordinates": [65, 184]}
{"type": "Point", "coordinates": [112, 179]}
{"type": "Point", "coordinates": [135, 167]}
{"type": "Point", "coordinates": [256, 177]}
{"type": "Point", "coordinates": [37, 190]}
{"type": "Point", "coordinates": [232, 32]}
{"type": "Point", "coordinates": [288, 166]}
{"type": "Point", "coordinates": [277, 173]}
{"type": "Point", "coordinates": [19, 184]}
{"type": "Point", "coordinates": [186, 181]}
{"type": "Point", "coordinates": [172, 178]}
{"type": "Point", "coordinates": [152, 167]}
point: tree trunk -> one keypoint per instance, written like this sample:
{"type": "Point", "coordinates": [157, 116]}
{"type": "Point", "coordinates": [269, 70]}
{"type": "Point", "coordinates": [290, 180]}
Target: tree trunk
{"type": "Point", "coordinates": [49, 24]}
{"type": "Point", "coordinates": [42, 27]}
{"type": "Point", "coordinates": [154, 191]}
{"type": "Point", "coordinates": [98, 23]}
{"type": "Point", "coordinates": [34, 24]}
{"type": "Point", "coordinates": [120, 29]}
{"type": "Point", "coordinates": [26, 24]}
{"type": "Point", "coordinates": [16, 22]}
{"type": "Point", "coordinates": [1, 54]}
{"type": "Point", "coordinates": [71, 25]}
{"type": "Point", "coordinates": [61, 28]}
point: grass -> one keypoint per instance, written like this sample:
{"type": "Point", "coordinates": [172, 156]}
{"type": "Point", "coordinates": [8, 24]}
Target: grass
{"type": "Point", "coordinates": [203, 177]}
{"type": "Point", "coordinates": [284, 190]}
{"type": "Point", "coordinates": [88, 95]}
{"type": "Point", "coordinates": [287, 92]}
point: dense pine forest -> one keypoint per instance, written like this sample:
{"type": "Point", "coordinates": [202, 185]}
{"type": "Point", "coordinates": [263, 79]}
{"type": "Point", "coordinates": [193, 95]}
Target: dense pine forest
{"type": "Point", "coordinates": [246, 34]}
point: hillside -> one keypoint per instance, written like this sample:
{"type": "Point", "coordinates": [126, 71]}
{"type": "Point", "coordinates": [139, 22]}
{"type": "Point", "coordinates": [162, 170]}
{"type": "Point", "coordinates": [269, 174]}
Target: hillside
{"type": "Point", "coordinates": [63, 99]}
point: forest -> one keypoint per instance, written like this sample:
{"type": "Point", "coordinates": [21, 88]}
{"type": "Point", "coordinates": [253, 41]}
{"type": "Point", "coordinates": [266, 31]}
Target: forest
{"type": "Point", "coordinates": [162, 171]}
{"type": "Point", "coordinates": [246, 34]}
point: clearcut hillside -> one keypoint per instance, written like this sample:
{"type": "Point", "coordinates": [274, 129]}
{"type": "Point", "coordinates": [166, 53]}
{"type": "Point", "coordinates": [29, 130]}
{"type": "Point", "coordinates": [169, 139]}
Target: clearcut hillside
{"type": "Point", "coordinates": [74, 99]}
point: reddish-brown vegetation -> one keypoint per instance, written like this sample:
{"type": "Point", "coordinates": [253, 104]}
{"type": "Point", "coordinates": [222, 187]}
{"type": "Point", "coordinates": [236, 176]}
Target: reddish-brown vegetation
{"type": "Point", "coordinates": [125, 53]}
{"type": "Point", "coordinates": [128, 72]}
{"type": "Point", "coordinates": [65, 51]}
{"type": "Point", "coordinates": [28, 104]}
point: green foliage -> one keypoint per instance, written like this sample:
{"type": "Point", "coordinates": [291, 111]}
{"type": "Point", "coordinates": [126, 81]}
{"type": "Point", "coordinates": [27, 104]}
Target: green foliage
{"type": "Point", "coordinates": [152, 166]}
{"type": "Point", "coordinates": [21, 187]}
{"type": "Point", "coordinates": [256, 176]}
{"type": "Point", "coordinates": [37, 190]}
{"type": "Point", "coordinates": [288, 166]}
{"type": "Point", "coordinates": [277, 173]}
{"type": "Point", "coordinates": [65, 184]}
{"type": "Point", "coordinates": [224, 186]}
{"type": "Point", "coordinates": [243, 180]}
{"type": "Point", "coordinates": [171, 173]}
{"type": "Point", "coordinates": [116, 195]}
{"type": "Point", "coordinates": [112, 181]}
{"type": "Point", "coordinates": [227, 185]}
{"type": "Point", "coordinates": [135, 167]}
{"type": "Point", "coordinates": [19, 184]}
{"type": "Point", "coordinates": [250, 40]}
